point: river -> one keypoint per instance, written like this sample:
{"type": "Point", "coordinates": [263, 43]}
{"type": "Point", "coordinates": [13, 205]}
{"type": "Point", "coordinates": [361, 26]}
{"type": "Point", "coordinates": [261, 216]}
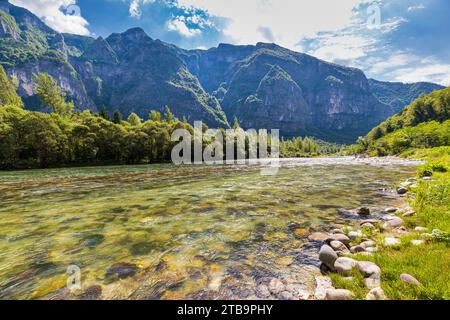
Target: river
{"type": "Point", "coordinates": [167, 232]}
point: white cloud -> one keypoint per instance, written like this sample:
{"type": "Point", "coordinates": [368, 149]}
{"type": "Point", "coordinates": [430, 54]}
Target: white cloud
{"type": "Point", "coordinates": [416, 8]}
{"type": "Point", "coordinates": [407, 67]}
{"type": "Point", "coordinates": [50, 11]}
{"type": "Point", "coordinates": [288, 20]}
{"type": "Point", "coordinates": [178, 24]}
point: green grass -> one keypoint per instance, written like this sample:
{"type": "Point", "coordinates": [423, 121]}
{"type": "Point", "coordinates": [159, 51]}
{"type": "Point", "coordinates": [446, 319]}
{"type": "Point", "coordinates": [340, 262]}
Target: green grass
{"type": "Point", "coordinates": [429, 263]}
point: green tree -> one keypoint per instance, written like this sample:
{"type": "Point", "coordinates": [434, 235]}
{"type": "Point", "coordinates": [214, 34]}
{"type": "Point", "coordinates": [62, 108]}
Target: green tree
{"type": "Point", "coordinates": [168, 115]}
{"type": "Point", "coordinates": [104, 113]}
{"type": "Point", "coordinates": [51, 94]}
{"type": "Point", "coordinates": [8, 88]}
{"type": "Point", "coordinates": [134, 120]}
{"type": "Point", "coordinates": [155, 116]}
{"type": "Point", "coordinates": [117, 117]}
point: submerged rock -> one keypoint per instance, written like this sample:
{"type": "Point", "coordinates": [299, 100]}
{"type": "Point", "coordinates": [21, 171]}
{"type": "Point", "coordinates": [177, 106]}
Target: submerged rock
{"type": "Point", "coordinates": [318, 236]}
{"type": "Point", "coordinates": [92, 293]}
{"type": "Point", "coordinates": [122, 270]}
{"type": "Point", "coordinates": [363, 211]}
{"type": "Point", "coordinates": [402, 191]}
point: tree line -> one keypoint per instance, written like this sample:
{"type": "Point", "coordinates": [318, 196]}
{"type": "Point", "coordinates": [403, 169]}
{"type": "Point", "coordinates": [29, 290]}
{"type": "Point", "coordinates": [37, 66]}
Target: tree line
{"type": "Point", "coordinates": [67, 136]}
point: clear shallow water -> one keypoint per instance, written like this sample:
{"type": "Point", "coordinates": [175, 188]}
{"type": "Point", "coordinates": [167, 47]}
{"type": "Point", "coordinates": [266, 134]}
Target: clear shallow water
{"type": "Point", "coordinates": [188, 232]}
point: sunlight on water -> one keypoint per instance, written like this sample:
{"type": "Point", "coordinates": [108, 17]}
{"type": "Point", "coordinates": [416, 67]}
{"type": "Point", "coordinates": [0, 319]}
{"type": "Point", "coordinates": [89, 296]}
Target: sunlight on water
{"type": "Point", "coordinates": [174, 232]}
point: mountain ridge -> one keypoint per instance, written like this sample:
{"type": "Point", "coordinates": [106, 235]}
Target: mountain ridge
{"type": "Point", "coordinates": [263, 85]}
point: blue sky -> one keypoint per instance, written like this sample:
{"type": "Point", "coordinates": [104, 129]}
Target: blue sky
{"type": "Point", "coordinates": [393, 40]}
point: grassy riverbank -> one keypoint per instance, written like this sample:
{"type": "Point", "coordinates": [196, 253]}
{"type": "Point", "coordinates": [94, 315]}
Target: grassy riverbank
{"type": "Point", "coordinates": [429, 262]}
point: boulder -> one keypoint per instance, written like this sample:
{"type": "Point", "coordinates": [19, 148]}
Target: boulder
{"type": "Point", "coordinates": [328, 256]}
{"type": "Point", "coordinates": [376, 294]}
{"type": "Point", "coordinates": [368, 244]}
{"type": "Point", "coordinates": [339, 247]}
{"type": "Point", "coordinates": [357, 249]}
{"type": "Point", "coordinates": [393, 223]}
{"type": "Point", "coordinates": [388, 241]}
{"type": "Point", "coordinates": [338, 237]}
{"type": "Point", "coordinates": [323, 284]}
{"type": "Point", "coordinates": [318, 236]}
{"type": "Point", "coordinates": [407, 278]}
{"type": "Point", "coordinates": [344, 265]}
{"type": "Point", "coordinates": [338, 294]}
{"type": "Point", "coordinates": [369, 269]}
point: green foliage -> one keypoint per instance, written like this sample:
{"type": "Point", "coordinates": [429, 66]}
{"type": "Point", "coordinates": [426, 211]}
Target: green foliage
{"type": "Point", "coordinates": [306, 147]}
{"type": "Point", "coordinates": [51, 94]}
{"type": "Point", "coordinates": [117, 117]}
{"type": "Point", "coordinates": [8, 94]}
{"type": "Point", "coordinates": [134, 120]}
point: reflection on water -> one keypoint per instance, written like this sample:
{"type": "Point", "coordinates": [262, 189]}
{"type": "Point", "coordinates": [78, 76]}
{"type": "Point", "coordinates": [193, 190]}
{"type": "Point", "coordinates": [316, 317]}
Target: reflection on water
{"type": "Point", "coordinates": [164, 232]}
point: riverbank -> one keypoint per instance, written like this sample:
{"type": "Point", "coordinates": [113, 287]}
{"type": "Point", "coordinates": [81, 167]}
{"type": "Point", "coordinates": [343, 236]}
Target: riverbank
{"type": "Point", "coordinates": [399, 253]}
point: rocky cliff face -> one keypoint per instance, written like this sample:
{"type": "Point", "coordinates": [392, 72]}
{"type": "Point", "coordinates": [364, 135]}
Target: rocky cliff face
{"type": "Point", "coordinates": [264, 86]}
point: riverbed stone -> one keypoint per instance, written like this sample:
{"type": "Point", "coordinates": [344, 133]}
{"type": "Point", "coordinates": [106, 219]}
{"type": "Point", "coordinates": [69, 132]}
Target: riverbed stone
{"type": "Point", "coordinates": [339, 294]}
{"type": "Point", "coordinates": [262, 291]}
{"type": "Point", "coordinates": [276, 286]}
{"type": "Point", "coordinates": [369, 268]}
{"type": "Point", "coordinates": [355, 234]}
{"type": "Point", "coordinates": [390, 210]}
{"type": "Point", "coordinates": [357, 249]}
{"type": "Point", "coordinates": [372, 282]}
{"type": "Point", "coordinates": [368, 226]}
{"type": "Point", "coordinates": [364, 211]}
{"type": "Point", "coordinates": [409, 214]}
{"type": "Point", "coordinates": [371, 249]}
{"type": "Point", "coordinates": [376, 294]}
{"type": "Point", "coordinates": [402, 191]}
{"type": "Point", "coordinates": [338, 237]}
{"type": "Point", "coordinates": [328, 256]}
{"type": "Point", "coordinates": [286, 295]}
{"type": "Point", "coordinates": [92, 293]}
{"type": "Point", "coordinates": [122, 270]}
{"type": "Point", "coordinates": [417, 242]}
{"type": "Point", "coordinates": [421, 229]}
{"type": "Point", "coordinates": [323, 284]}
{"type": "Point", "coordinates": [344, 265]}
{"type": "Point", "coordinates": [368, 244]}
{"type": "Point", "coordinates": [339, 247]}
{"type": "Point", "coordinates": [407, 278]}
{"type": "Point", "coordinates": [389, 241]}
{"type": "Point", "coordinates": [393, 223]}
{"type": "Point", "coordinates": [318, 236]}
